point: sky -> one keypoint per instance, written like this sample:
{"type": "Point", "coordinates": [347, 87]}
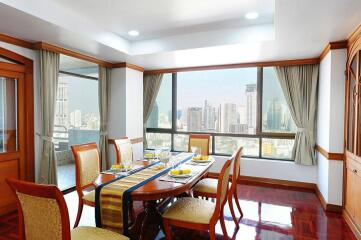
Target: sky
{"type": "Point", "coordinates": [83, 94]}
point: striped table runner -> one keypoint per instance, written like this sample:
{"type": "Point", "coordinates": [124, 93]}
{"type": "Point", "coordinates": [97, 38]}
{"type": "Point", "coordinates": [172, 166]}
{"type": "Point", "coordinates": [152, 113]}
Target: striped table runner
{"type": "Point", "coordinates": [112, 198]}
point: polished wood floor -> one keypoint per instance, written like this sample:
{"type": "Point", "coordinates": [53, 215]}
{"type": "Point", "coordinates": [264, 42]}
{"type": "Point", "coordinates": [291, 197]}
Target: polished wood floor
{"type": "Point", "coordinates": [269, 214]}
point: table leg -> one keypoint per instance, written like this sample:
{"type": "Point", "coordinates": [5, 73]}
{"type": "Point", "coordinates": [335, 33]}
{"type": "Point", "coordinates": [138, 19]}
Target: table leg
{"type": "Point", "coordinates": [147, 223]}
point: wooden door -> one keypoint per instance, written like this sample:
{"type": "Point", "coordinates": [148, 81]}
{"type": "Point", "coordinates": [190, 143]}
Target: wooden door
{"type": "Point", "coordinates": [356, 197]}
{"type": "Point", "coordinates": [349, 203]}
{"type": "Point", "coordinates": [12, 134]}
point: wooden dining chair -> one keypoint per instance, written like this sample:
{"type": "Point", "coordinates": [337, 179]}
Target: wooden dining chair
{"type": "Point", "coordinates": [87, 169]}
{"type": "Point", "coordinates": [207, 187]}
{"type": "Point", "coordinates": [43, 215]}
{"type": "Point", "coordinates": [123, 149]}
{"type": "Point", "coordinates": [200, 141]}
{"type": "Point", "coordinates": [199, 214]}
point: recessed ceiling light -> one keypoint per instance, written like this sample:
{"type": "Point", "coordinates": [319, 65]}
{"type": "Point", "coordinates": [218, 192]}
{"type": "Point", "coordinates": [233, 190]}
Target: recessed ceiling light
{"type": "Point", "coordinates": [133, 33]}
{"type": "Point", "coordinates": [251, 15]}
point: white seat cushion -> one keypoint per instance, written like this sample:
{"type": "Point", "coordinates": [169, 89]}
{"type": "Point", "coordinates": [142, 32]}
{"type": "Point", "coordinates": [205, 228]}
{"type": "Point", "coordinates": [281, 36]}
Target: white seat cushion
{"type": "Point", "coordinates": [93, 233]}
{"type": "Point", "coordinates": [89, 196]}
{"type": "Point", "coordinates": [191, 210]}
{"type": "Point", "coordinates": [206, 185]}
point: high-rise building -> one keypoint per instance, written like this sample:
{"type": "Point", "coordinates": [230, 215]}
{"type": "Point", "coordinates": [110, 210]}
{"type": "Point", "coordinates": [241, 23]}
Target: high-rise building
{"type": "Point", "coordinates": [228, 116]}
{"type": "Point", "coordinates": [275, 115]}
{"type": "Point", "coordinates": [75, 118]}
{"type": "Point", "coordinates": [251, 93]}
{"type": "Point", "coordinates": [242, 114]}
{"type": "Point", "coordinates": [194, 119]}
{"type": "Point", "coordinates": [153, 118]}
{"type": "Point", "coordinates": [209, 116]}
{"type": "Point", "coordinates": [62, 101]}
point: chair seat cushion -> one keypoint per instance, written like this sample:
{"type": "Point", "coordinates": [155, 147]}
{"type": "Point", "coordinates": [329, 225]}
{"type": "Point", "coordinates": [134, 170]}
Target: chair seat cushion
{"type": "Point", "coordinates": [191, 210]}
{"type": "Point", "coordinates": [206, 185]}
{"type": "Point", "coordinates": [93, 233]}
{"type": "Point", "coordinates": [89, 196]}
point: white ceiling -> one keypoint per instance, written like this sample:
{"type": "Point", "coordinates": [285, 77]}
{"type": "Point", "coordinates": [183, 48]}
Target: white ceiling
{"type": "Point", "coordinates": [179, 33]}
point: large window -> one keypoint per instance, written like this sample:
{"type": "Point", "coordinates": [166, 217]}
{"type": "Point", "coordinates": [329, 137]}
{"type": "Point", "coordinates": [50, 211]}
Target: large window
{"type": "Point", "coordinates": [237, 107]}
{"type": "Point", "coordinates": [76, 113]}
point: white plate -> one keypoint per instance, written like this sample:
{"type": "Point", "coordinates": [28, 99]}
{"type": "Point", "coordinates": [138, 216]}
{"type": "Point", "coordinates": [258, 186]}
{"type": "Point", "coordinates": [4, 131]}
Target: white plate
{"type": "Point", "coordinates": [201, 161]}
{"type": "Point", "coordinates": [180, 175]}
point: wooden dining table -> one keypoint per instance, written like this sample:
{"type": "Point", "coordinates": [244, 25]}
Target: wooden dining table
{"type": "Point", "coordinates": [155, 195]}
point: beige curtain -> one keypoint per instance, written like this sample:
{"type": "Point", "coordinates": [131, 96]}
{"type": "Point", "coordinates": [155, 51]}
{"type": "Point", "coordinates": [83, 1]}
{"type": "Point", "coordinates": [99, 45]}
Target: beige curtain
{"type": "Point", "coordinates": [49, 71]}
{"type": "Point", "coordinates": [151, 85]}
{"type": "Point", "coordinates": [299, 85]}
{"type": "Point", "coordinates": [103, 83]}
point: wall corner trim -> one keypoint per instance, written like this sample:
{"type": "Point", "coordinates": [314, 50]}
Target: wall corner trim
{"type": "Point", "coordinates": [329, 155]}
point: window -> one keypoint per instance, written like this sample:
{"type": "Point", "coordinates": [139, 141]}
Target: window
{"type": "Point", "coordinates": [276, 116]}
{"type": "Point", "coordinates": [76, 114]}
{"type": "Point", "coordinates": [222, 101]}
{"type": "Point", "coordinates": [237, 107]}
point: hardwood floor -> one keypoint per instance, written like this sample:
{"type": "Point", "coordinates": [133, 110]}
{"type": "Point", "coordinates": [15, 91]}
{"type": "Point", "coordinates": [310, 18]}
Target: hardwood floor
{"type": "Point", "coordinates": [269, 214]}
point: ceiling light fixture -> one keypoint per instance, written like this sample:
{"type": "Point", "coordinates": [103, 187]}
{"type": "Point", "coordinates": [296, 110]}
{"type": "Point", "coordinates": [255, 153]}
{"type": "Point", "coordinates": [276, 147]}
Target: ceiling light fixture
{"type": "Point", "coordinates": [133, 33]}
{"type": "Point", "coordinates": [251, 15]}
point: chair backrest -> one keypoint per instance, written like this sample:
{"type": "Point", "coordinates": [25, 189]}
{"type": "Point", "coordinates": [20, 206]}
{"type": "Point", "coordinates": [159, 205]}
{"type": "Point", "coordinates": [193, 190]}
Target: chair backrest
{"type": "Point", "coordinates": [222, 189]}
{"type": "Point", "coordinates": [87, 164]}
{"type": "Point", "coordinates": [201, 141]}
{"type": "Point", "coordinates": [236, 166]}
{"type": "Point", "coordinates": [42, 210]}
{"type": "Point", "coordinates": [123, 149]}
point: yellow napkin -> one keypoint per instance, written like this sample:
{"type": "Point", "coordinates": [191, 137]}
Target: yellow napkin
{"type": "Point", "coordinates": [180, 171]}
{"type": "Point", "coordinates": [198, 158]}
{"type": "Point", "coordinates": [148, 155]}
{"type": "Point", "coordinates": [117, 166]}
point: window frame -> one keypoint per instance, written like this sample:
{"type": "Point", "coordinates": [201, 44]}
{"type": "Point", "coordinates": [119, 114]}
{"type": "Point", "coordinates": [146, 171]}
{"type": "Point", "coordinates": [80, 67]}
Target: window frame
{"type": "Point", "coordinates": [259, 133]}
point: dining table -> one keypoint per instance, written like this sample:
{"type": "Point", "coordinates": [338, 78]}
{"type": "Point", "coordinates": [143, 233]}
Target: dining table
{"type": "Point", "coordinates": [156, 196]}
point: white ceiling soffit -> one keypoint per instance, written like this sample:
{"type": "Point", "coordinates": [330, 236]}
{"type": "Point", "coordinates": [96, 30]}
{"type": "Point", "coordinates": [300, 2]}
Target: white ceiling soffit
{"type": "Point", "coordinates": [177, 25]}
{"type": "Point", "coordinates": [181, 33]}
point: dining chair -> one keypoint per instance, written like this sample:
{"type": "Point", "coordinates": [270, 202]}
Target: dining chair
{"type": "Point", "coordinates": [123, 149]}
{"type": "Point", "coordinates": [207, 187]}
{"type": "Point", "coordinates": [87, 169]}
{"type": "Point", "coordinates": [43, 215]}
{"type": "Point", "coordinates": [199, 214]}
{"type": "Point", "coordinates": [200, 141]}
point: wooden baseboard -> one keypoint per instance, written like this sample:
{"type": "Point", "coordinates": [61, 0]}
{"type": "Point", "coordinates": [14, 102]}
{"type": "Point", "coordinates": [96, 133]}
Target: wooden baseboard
{"type": "Point", "coordinates": [351, 224]}
{"type": "Point", "coordinates": [270, 182]}
{"type": "Point", "coordinates": [326, 206]}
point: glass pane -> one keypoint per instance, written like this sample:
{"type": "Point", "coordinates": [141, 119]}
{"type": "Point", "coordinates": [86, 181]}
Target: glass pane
{"type": "Point", "coordinates": [277, 148]}
{"type": "Point", "coordinates": [181, 142]}
{"type": "Point", "coordinates": [157, 140]}
{"type": "Point", "coordinates": [351, 116]}
{"type": "Point", "coordinates": [76, 122]}
{"type": "Point", "coordinates": [78, 66]}
{"type": "Point", "coordinates": [227, 145]}
{"type": "Point", "coordinates": [276, 116]}
{"type": "Point", "coordinates": [161, 115]}
{"type": "Point", "coordinates": [8, 115]}
{"type": "Point", "coordinates": [223, 101]}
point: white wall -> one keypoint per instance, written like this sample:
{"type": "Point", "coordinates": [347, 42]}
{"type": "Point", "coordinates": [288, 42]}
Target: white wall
{"type": "Point", "coordinates": [330, 124]}
{"type": "Point", "coordinates": [31, 54]}
{"type": "Point", "coordinates": [274, 169]}
{"type": "Point", "coordinates": [126, 108]}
